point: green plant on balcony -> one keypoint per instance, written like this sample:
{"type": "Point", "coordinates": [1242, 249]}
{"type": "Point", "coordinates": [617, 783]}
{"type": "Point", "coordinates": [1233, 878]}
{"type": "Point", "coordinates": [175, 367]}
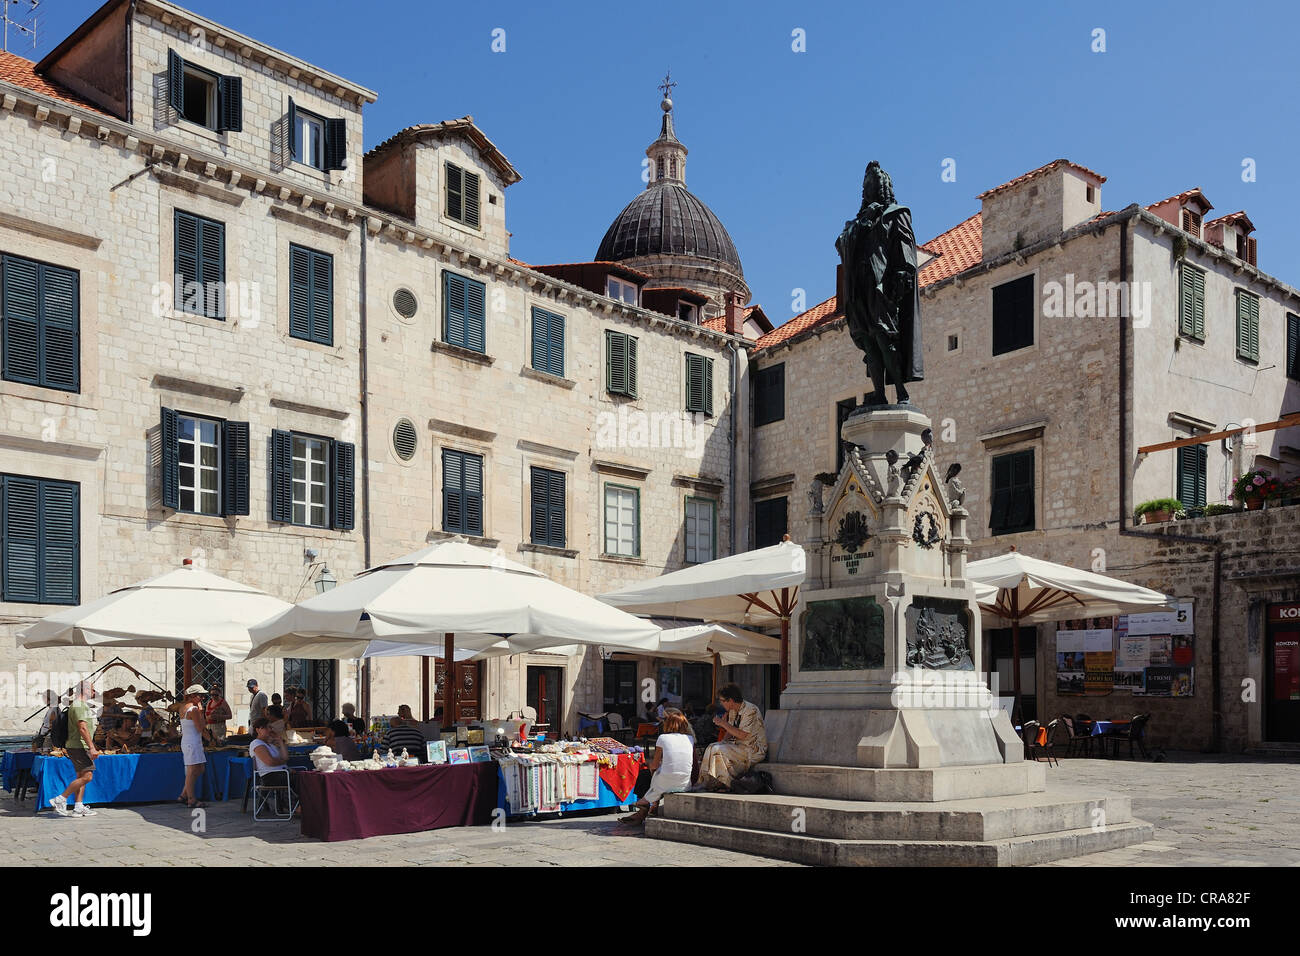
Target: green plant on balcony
{"type": "Point", "coordinates": [1255, 487]}
{"type": "Point", "coordinates": [1217, 509]}
{"type": "Point", "coordinates": [1157, 510]}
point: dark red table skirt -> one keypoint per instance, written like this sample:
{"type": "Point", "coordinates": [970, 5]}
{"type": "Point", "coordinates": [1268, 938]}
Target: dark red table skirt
{"type": "Point", "coordinates": [355, 804]}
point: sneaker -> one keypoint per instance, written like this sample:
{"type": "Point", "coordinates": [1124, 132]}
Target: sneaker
{"type": "Point", "coordinates": [60, 806]}
{"type": "Point", "coordinates": [81, 810]}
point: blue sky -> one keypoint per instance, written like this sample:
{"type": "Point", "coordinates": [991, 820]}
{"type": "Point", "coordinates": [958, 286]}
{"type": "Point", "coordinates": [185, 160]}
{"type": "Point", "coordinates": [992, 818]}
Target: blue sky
{"type": "Point", "coordinates": [778, 139]}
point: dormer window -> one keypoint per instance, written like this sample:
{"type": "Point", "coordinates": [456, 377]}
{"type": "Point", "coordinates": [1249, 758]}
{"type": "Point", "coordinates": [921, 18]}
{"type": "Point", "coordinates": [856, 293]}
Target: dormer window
{"type": "Point", "coordinates": [204, 98]}
{"type": "Point", "coordinates": [309, 140]}
{"type": "Point", "coordinates": [1092, 195]}
{"type": "Point", "coordinates": [462, 198]}
{"type": "Point", "coordinates": [687, 312]}
{"type": "Point", "coordinates": [1245, 248]}
{"type": "Point", "coordinates": [1192, 222]}
{"type": "Point", "coordinates": [623, 291]}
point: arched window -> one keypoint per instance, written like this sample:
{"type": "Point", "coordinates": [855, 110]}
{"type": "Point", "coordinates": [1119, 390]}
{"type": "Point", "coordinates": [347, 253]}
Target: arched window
{"type": "Point", "coordinates": [659, 168]}
{"type": "Point", "coordinates": [672, 167]}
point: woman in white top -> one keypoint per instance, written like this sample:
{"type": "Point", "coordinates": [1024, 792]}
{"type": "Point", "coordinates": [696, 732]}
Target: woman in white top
{"type": "Point", "coordinates": [674, 754]}
{"type": "Point", "coordinates": [267, 750]}
{"type": "Point", "coordinates": [192, 725]}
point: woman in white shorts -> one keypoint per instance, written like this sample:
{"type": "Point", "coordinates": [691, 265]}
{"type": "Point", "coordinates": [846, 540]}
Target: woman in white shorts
{"type": "Point", "coordinates": [674, 753]}
{"type": "Point", "coordinates": [192, 724]}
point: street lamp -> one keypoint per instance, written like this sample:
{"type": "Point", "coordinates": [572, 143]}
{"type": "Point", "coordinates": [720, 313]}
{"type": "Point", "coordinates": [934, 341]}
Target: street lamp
{"type": "Point", "coordinates": [325, 581]}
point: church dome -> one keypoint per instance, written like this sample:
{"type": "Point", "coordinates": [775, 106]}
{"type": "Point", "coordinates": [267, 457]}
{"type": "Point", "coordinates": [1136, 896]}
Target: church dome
{"type": "Point", "coordinates": [667, 219]}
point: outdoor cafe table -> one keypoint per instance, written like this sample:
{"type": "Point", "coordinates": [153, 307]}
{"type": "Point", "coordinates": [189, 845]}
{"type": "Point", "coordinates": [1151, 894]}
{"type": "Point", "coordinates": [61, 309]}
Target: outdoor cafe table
{"type": "Point", "coordinates": [354, 804]}
{"type": "Point", "coordinates": [1100, 728]}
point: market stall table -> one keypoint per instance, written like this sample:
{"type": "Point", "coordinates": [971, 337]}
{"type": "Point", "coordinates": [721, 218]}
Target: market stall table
{"type": "Point", "coordinates": [354, 804]}
{"type": "Point", "coordinates": [594, 784]}
{"type": "Point", "coordinates": [13, 765]}
{"type": "Point", "coordinates": [119, 778]}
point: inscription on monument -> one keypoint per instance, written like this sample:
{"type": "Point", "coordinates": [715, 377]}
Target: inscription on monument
{"type": "Point", "coordinates": [938, 634]}
{"type": "Point", "coordinates": [843, 635]}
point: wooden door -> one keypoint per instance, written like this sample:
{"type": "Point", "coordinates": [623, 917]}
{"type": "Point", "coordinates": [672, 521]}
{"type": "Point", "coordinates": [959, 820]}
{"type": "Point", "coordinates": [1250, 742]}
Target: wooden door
{"type": "Point", "coordinates": [545, 695]}
{"type": "Point", "coordinates": [466, 691]}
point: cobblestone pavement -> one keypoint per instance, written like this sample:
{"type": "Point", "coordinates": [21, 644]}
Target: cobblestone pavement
{"type": "Point", "coordinates": [1208, 811]}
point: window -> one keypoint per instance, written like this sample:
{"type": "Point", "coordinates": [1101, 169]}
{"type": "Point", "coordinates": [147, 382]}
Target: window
{"type": "Point", "coordinates": [200, 266]}
{"type": "Point", "coordinates": [1092, 194]}
{"type": "Point", "coordinates": [206, 669]}
{"type": "Point", "coordinates": [952, 343]}
{"type": "Point", "coordinates": [204, 464]}
{"type": "Point", "coordinates": [1013, 315]}
{"type": "Point", "coordinates": [40, 540]}
{"type": "Point", "coordinates": [701, 530]}
{"type": "Point", "coordinates": [548, 342]}
{"type": "Point", "coordinates": [202, 97]}
{"type": "Point", "coordinates": [687, 312]}
{"type": "Point", "coordinates": [699, 384]}
{"type": "Point", "coordinates": [659, 168]}
{"type": "Point", "coordinates": [843, 409]}
{"type": "Point", "coordinates": [462, 492]}
{"type": "Point", "coordinates": [1192, 222]}
{"type": "Point", "coordinates": [1191, 475]}
{"type": "Point", "coordinates": [1247, 326]}
{"type": "Point", "coordinates": [311, 295]}
{"type": "Point", "coordinates": [464, 312]}
{"type": "Point", "coordinates": [769, 521]}
{"type": "Point", "coordinates": [548, 507]}
{"type": "Point", "coordinates": [1013, 493]}
{"type": "Point", "coordinates": [672, 168]}
{"type": "Point", "coordinates": [622, 521]}
{"type": "Point", "coordinates": [622, 290]}
{"type": "Point", "coordinates": [312, 481]}
{"type": "Point", "coordinates": [1191, 301]}
{"type": "Point", "coordinates": [1293, 346]}
{"type": "Point", "coordinates": [620, 363]}
{"type": "Point", "coordinates": [621, 689]}
{"type": "Point", "coordinates": [41, 307]}
{"type": "Point", "coordinates": [462, 196]}
{"type": "Point", "coordinates": [316, 141]}
{"type": "Point", "coordinates": [769, 395]}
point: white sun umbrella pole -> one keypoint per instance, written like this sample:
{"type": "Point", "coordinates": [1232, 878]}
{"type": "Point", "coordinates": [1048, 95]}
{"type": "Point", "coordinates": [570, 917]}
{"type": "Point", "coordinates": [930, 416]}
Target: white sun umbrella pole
{"type": "Point", "coordinates": [1016, 588]}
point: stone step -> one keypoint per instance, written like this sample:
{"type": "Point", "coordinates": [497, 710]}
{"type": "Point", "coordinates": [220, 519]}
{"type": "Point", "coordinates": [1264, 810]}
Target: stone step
{"type": "Point", "coordinates": [972, 821]}
{"type": "Point", "coordinates": [907, 785]}
{"type": "Point", "coordinates": [818, 851]}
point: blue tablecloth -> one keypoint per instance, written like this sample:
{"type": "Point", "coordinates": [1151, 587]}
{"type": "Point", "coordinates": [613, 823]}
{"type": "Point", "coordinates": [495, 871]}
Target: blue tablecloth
{"type": "Point", "coordinates": [12, 762]}
{"type": "Point", "coordinates": [1102, 727]}
{"type": "Point", "coordinates": [120, 778]}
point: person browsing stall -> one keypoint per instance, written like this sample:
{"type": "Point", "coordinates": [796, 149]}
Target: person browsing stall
{"type": "Point", "coordinates": [192, 729]}
{"type": "Point", "coordinates": [81, 751]}
{"type": "Point", "coordinates": [404, 733]}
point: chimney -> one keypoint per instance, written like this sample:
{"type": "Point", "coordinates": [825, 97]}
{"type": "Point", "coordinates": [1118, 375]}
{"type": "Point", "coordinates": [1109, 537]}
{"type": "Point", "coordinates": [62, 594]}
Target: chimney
{"type": "Point", "coordinates": [735, 314]}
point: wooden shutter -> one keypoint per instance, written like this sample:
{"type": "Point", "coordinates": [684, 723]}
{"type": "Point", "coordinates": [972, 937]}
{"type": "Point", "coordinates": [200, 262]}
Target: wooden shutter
{"type": "Point", "coordinates": [281, 475]}
{"type": "Point", "coordinates": [1251, 250]}
{"type": "Point", "coordinates": [473, 495]}
{"type": "Point", "coordinates": [60, 544]}
{"type": "Point", "coordinates": [171, 459]}
{"type": "Point", "coordinates": [291, 133]}
{"type": "Point", "coordinates": [1247, 326]}
{"type": "Point", "coordinates": [1191, 475]}
{"type": "Point", "coordinates": [453, 482]}
{"type": "Point", "coordinates": [300, 292]}
{"type": "Point", "coordinates": [769, 395]}
{"type": "Point", "coordinates": [230, 104]}
{"type": "Point", "coordinates": [475, 315]}
{"type": "Point", "coordinates": [1191, 302]}
{"type": "Point", "coordinates": [1012, 506]}
{"type": "Point", "coordinates": [698, 383]}
{"type": "Point", "coordinates": [21, 560]}
{"type": "Point", "coordinates": [455, 192]}
{"type": "Point", "coordinates": [616, 378]}
{"type": "Point", "coordinates": [186, 257]}
{"type": "Point", "coordinates": [769, 521]}
{"type": "Point", "coordinates": [471, 182]}
{"type": "Point", "coordinates": [343, 467]}
{"type": "Point", "coordinates": [322, 298]}
{"type": "Point", "coordinates": [453, 309]}
{"type": "Point", "coordinates": [22, 326]}
{"type": "Point", "coordinates": [707, 365]}
{"type": "Point", "coordinates": [234, 468]}
{"type": "Point", "coordinates": [556, 509]}
{"type": "Point", "coordinates": [540, 495]}
{"type": "Point", "coordinates": [548, 342]}
{"type": "Point", "coordinates": [336, 143]}
{"type": "Point", "coordinates": [556, 343]}
{"type": "Point", "coordinates": [212, 267]}
{"type": "Point", "coordinates": [60, 328]}
{"type": "Point", "coordinates": [1293, 345]}
{"type": "Point", "coordinates": [175, 81]}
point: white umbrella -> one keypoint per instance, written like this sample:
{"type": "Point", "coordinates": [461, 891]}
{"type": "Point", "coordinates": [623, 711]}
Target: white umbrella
{"type": "Point", "coordinates": [756, 587]}
{"type": "Point", "coordinates": [720, 643]}
{"type": "Point", "coordinates": [501, 648]}
{"type": "Point", "coordinates": [184, 606]}
{"type": "Point", "coordinates": [1016, 588]}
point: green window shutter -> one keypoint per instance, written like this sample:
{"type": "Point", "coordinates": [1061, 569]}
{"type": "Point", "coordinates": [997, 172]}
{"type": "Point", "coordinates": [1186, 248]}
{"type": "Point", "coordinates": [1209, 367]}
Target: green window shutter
{"type": "Point", "coordinates": [453, 309]}
{"type": "Point", "coordinates": [473, 495]}
{"type": "Point", "coordinates": [708, 386]}
{"type": "Point", "coordinates": [540, 495]}
{"type": "Point", "coordinates": [556, 344]}
{"type": "Point", "coordinates": [556, 523]}
{"type": "Point", "coordinates": [455, 192]}
{"type": "Point", "coordinates": [471, 199]}
{"type": "Point", "coordinates": [343, 487]}
{"type": "Point", "coordinates": [453, 482]}
{"type": "Point", "coordinates": [300, 292]}
{"type": "Point", "coordinates": [616, 362]}
{"type": "Point", "coordinates": [541, 341]}
{"type": "Point", "coordinates": [60, 328]}
{"type": "Point", "coordinates": [281, 475]}
{"type": "Point", "coordinates": [1293, 345]}
{"type": "Point", "coordinates": [475, 315]}
{"type": "Point", "coordinates": [175, 81]}
{"type": "Point", "coordinates": [187, 261]}
{"type": "Point", "coordinates": [336, 144]}
{"type": "Point", "coordinates": [21, 535]}
{"type": "Point", "coordinates": [322, 298]}
{"type": "Point", "coordinates": [694, 383]}
{"type": "Point", "coordinates": [22, 327]}
{"type": "Point", "coordinates": [230, 104]}
{"type": "Point", "coordinates": [169, 431]}
{"type": "Point", "coordinates": [1192, 460]}
{"type": "Point", "coordinates": [212, 267]}
{"type": "Point", "coordinates": [60, 542]}
{"type": "Point", "coordinates": [1252, 326]}
{"type": "Point", "coordinates": [291, 146]}
{"type": "Point", "coordinates": [1198, 304]}
{"type": "Point", "coordinates": [1191, 302]}
{"type": "Point", "coordinates": [234, 468]}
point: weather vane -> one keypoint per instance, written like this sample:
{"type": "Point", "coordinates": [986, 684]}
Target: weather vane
{"type": "Point", "coordinates": [666, 87]}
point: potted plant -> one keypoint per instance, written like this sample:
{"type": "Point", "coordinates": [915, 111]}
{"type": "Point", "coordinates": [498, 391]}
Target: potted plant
{"type": "Point", "coordinates": [1157, 510]}
{"type": "Point", "coordinates": [1217, 509]}
{"type": "Point", "coordinates": [1253, 487]}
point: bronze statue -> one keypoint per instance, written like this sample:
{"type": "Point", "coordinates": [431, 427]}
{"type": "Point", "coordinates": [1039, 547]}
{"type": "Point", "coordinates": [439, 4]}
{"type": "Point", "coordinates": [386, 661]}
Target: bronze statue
{"type": "Point", "coordinates": [881, 297]}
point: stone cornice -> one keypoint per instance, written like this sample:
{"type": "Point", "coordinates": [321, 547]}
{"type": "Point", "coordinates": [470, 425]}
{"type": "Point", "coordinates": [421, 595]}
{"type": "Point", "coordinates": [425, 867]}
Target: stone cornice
{"type": "Point", "coordinates": [47, 231]}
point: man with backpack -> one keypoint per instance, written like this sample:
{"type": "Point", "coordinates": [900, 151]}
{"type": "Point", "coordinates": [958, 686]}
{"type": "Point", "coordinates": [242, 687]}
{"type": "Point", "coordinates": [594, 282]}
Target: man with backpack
{"type": "Point", "coordinates": [77, 727]}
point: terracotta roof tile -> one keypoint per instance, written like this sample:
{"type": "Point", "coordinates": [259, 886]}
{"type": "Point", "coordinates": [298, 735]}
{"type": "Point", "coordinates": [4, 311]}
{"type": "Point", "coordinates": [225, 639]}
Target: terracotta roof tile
{"type": "Point", "coordinates": [954, 251]}
{"type": "Point", "coordinates": [717, 324]}
{"type": "Point", "coordinates": [21, 72]}
{"type": "Point", "coordinates": [1039, 172]}
{"type": "Point", "coordinates": [817, 315]}
{"type": "Point", "coordinates": [464, 126]}
{"type": "Point", "coordinates": [1182, 197]}
{"type": "Point", "coordinates": [1231, 217]}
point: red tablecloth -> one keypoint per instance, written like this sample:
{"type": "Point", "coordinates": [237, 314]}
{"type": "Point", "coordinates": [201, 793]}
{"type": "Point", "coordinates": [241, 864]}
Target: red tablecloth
{"type": "Point", "coordinates": [355, 804]}
{"type": "Point", "coordinates": [622, 778]}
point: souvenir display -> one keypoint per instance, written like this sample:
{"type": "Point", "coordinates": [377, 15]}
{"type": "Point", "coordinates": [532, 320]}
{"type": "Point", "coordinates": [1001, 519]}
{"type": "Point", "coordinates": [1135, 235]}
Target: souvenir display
{"type": "Point", "coordinates": [479, 754]}
{"type": "Point", "coordinates": [436, 751]}
{"type": "Point", "coordinates": [460, 755]}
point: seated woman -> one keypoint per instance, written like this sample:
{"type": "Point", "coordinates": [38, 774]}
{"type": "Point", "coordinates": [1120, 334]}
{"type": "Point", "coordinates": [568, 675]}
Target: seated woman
{"type": "Point", "coordinates": [269, 753]}
{"type": "Point", "coordinates": [674, 751]}
{"type": "Point", "coordinates": [745, 744]}
{"type": "Point", "coordinates": [338, 739]}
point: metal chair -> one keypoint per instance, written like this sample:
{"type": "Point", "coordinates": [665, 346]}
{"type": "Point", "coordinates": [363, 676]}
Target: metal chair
{"type": "Point", "coordinates": [1074, 740]}
{"type": "Point", "coordinates": [1029, 733]}
{"type": "Point", "coordinates": [1053, 735]}
{"type": "Point", "coordinates": [1134, 735]}
{"type": "Point", "coordinates": [268, 787]}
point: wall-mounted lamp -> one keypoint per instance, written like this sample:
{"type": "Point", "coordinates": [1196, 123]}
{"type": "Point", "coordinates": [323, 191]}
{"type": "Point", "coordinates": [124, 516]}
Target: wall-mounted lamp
{"type": "Point", "coordinates": [325, 581]}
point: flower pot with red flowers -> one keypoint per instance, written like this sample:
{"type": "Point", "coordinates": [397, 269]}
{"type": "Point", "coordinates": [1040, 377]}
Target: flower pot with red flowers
{"type": "Point", "coordinates": [1254, 487]}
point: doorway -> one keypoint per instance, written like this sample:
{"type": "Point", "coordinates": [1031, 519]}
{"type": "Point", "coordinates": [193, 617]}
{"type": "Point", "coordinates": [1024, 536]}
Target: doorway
{"type": "Point", "coordinates": [466, 691]}
{"type": "Point", "coordinates": [999, 656]}
{"type": "Point", "coordinates": [620, 690]}
{"type": "Point", "coordinates": [319, 680]}
{"type": "Point", "coordinates": [1282, 674]}
{"type": "Point", "coordinates": [546, 696]}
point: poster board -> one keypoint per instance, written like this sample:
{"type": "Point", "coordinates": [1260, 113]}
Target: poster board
{"type": "Point", "coordinates": [1152, 654]}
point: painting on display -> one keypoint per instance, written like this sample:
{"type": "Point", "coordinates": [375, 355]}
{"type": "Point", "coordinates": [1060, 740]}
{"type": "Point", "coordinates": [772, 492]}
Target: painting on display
{"type": "Point", "coordinates": [436, 751]}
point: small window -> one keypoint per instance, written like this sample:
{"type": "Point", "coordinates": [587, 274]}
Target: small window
{"type": "Point", "coordinates": [200, 259]}
{"type": "Point", "coordinates": [952, 343]}
{"type": "Point", "coordinates": [40, 306]}
{"type": "Point", "coordinates": [1012, 508]}
{"type": "Point", "coordinates": [204, 464]}
{"type": "Point", "coordinates": [1192, 222]}
{"type": "Point", "coordinates": [687, 312]}
{"type": "Point", "coordinates": [404, 303]}
{"type": "Point", "coordinates": [620, 363]}
{"type": "Point", "coordinates": [204, 98]}
{"type": "Point", "coordinates": [548, 342]}
{"type": "Point", "coordinates": [464, 312]}
{"type": "Point", "coordinates": [462, 196]}
{"type": "Point", "coordinates": [547, 493]}
{"type": "Point", "coordinates": [622, 290]}
{"type": "Point", "coordinates": [699, 384]}
{"type": "Point", "coordinates": [462, 492]}
{"type": "Point", "coordinates": [309, 139]}
{"type": "Point", "coordinates": [311, 295]}
{"type": "Point", "coordinates": [659, 168]}
{"type": "Point", "coordinates": [200, 97]}
{"type": "Point", "coordinates": [1293, 346]}
{"type": "Point", "coordinates": [622, 521]}
{"type": "Point", "coordinates": [701, 530]}
{"type": "Point", "coordinates": [672, 168]}
{"type": "Point", "coordinates": [310, 481]}
{"type": "Point", "coordinates": [40, 540]}
{"type": "Point", "coordinates": [770, 521]}
{"type": "Point", "coordinates": [1247, 326]}
{"type": "Point", "coordinates": [198, 443]}
{"type": "Point", "coordinates": [1013, 315]}
{"type": "Point", "coordinates": [769, 395]}
{"type": "Point", "coordinates": [1092, 194]}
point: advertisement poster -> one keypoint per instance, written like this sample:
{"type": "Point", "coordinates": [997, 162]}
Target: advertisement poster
{"type": "Point", "coordinates": [1177, 621]}
{"type": "Point", "coordinates": [1167, 681]}
{"type": "Point", "coordinates": [1286, 669]}
{"type": "Point", "coordinates": [1098, 662]}
{"type": "Point", "coordinates": [1131, 656]}
{"type": "Point", "coordinates": [1070, 662]}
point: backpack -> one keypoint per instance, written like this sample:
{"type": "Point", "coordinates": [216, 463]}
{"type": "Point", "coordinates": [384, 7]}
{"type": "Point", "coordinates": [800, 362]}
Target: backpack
{"type": "Point", "coordinates": [753, 783]}
{"type": "Point", "coordinates": [59, 728]}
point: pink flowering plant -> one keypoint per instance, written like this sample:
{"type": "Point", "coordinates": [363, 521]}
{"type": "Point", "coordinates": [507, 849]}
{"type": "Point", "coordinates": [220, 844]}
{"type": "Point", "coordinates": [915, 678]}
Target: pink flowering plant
{"type": "Point", "coordinates": [1257, 483]}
